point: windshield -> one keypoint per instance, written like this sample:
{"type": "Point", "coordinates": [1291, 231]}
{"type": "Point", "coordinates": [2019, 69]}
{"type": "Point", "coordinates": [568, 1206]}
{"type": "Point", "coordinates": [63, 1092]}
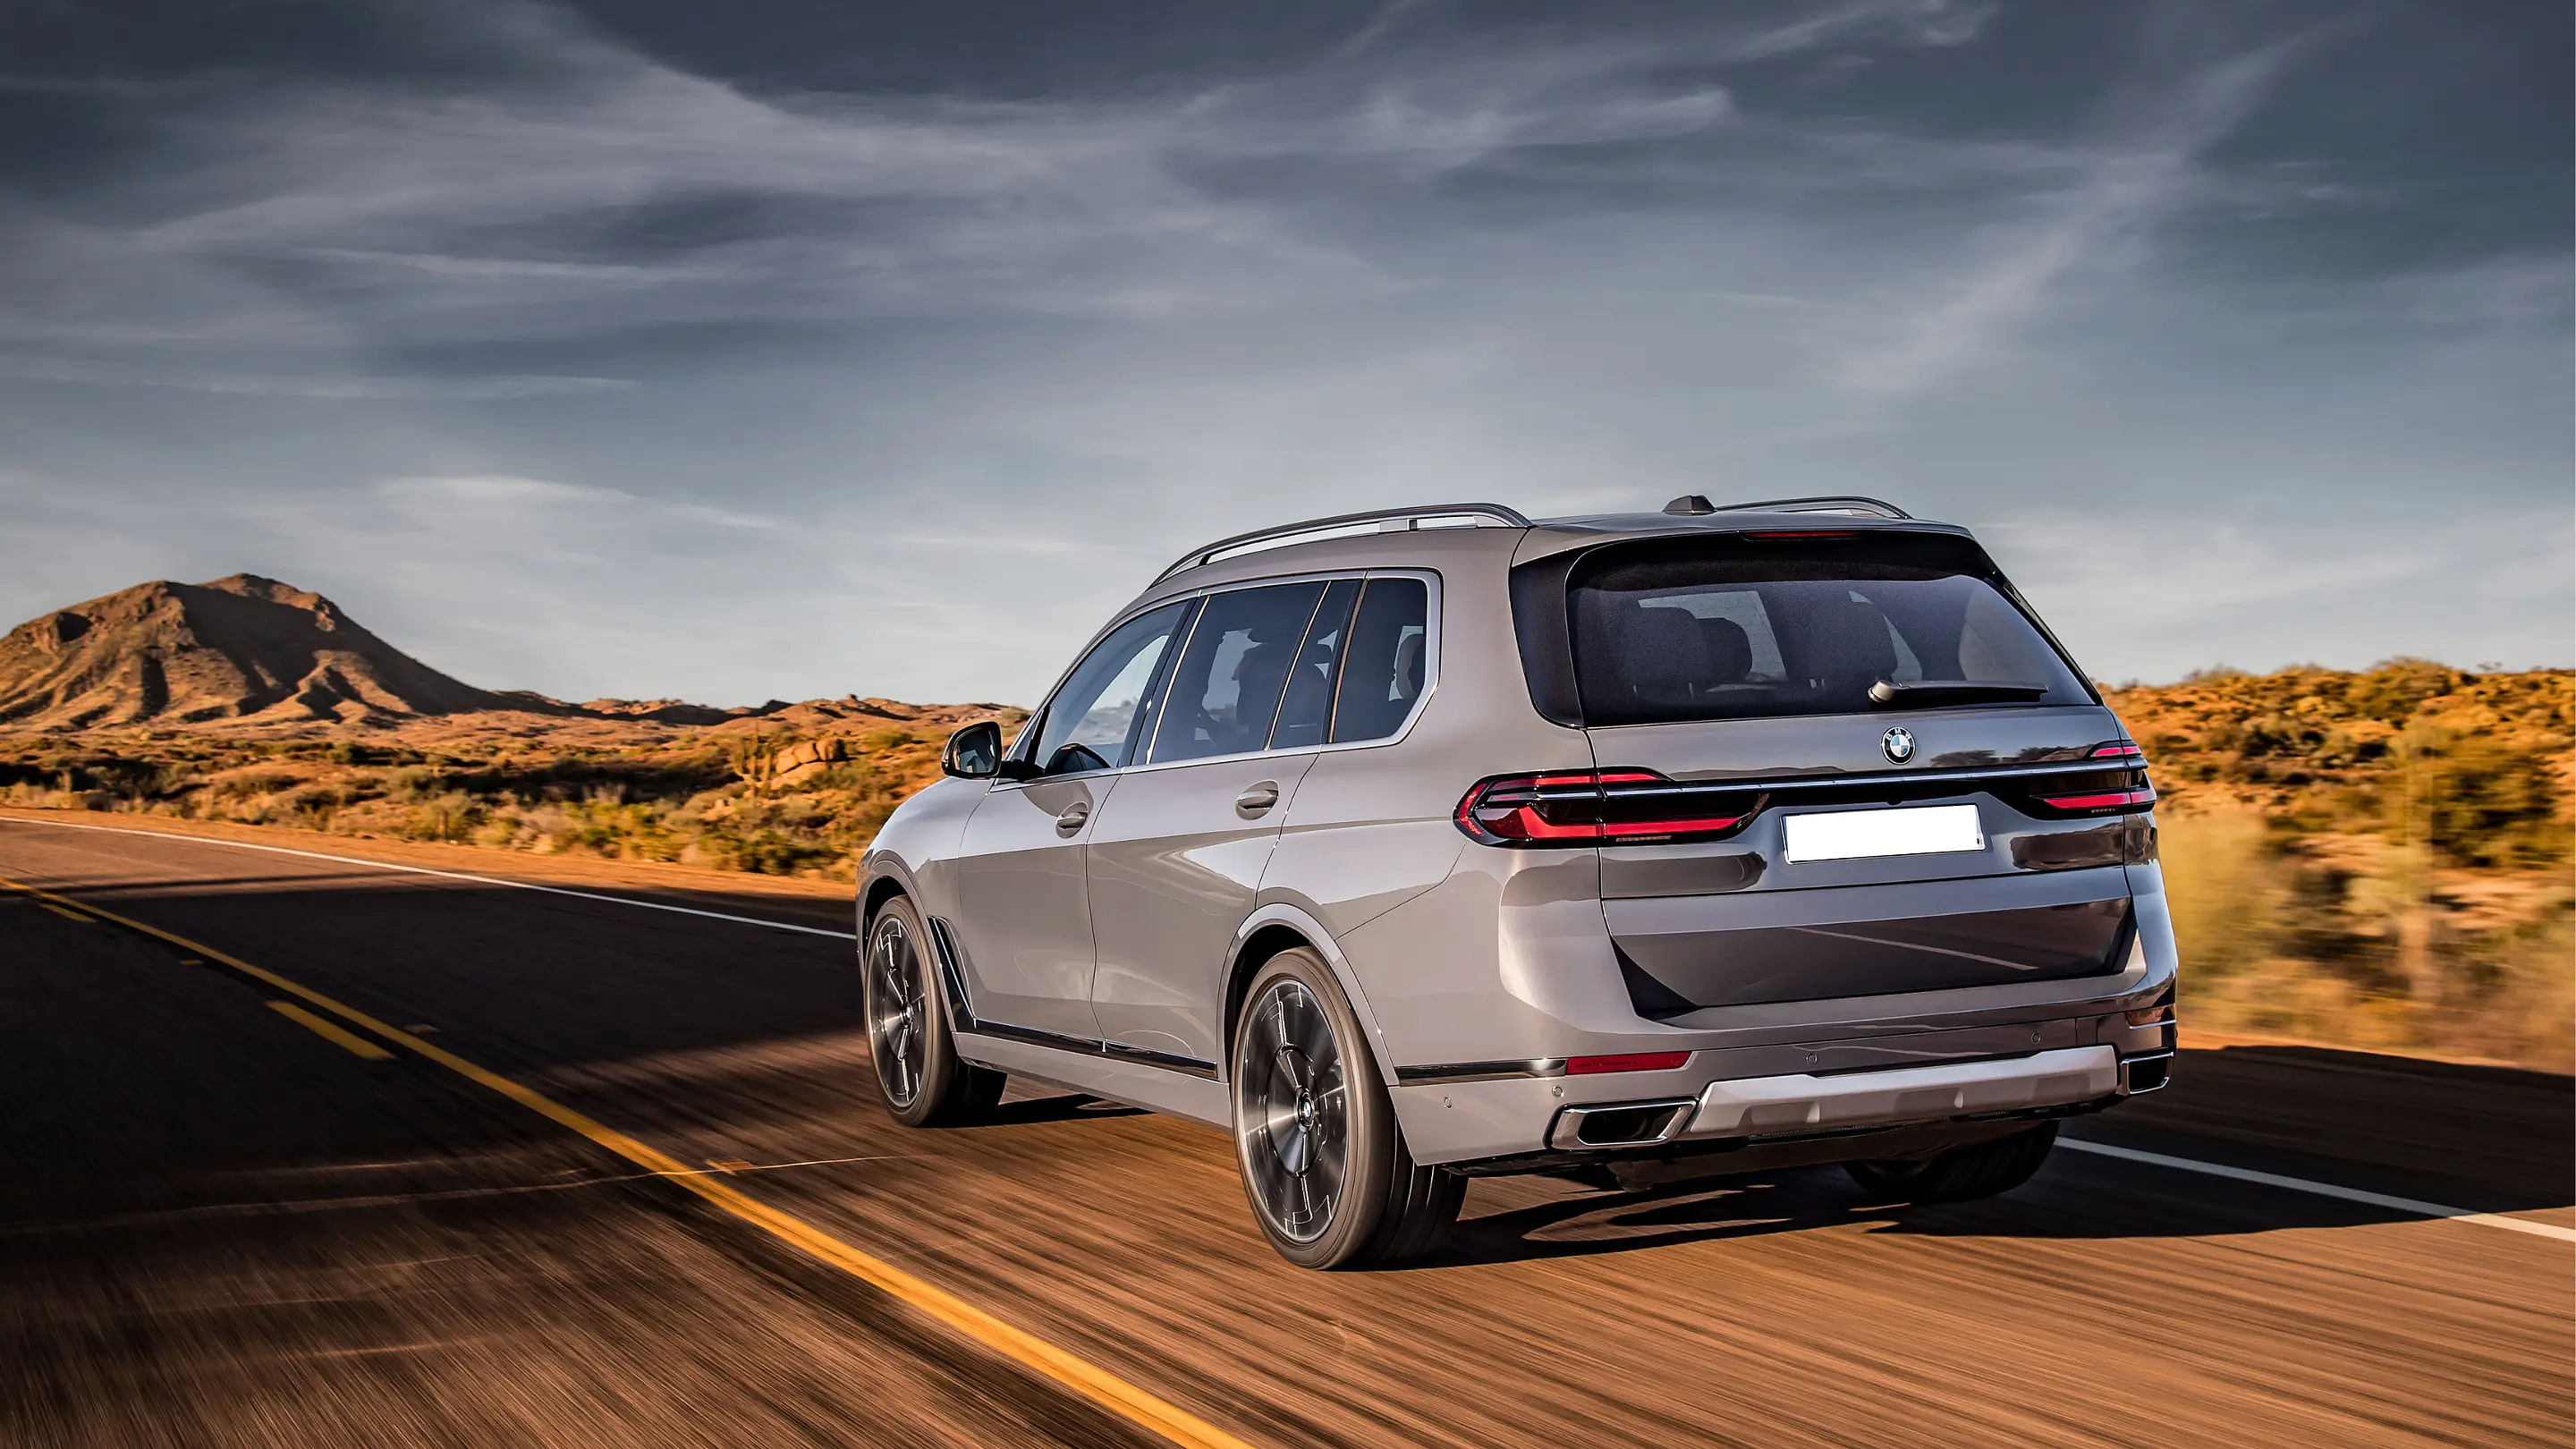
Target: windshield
{"type": "Point", "coordinates": [1738, 626]}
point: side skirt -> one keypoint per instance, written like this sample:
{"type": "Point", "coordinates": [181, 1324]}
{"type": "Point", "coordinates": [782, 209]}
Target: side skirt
{"type": "Point", "coordinates": [1155, 1081]}
{"type": "Point", "coordinates": [1155, 1089]}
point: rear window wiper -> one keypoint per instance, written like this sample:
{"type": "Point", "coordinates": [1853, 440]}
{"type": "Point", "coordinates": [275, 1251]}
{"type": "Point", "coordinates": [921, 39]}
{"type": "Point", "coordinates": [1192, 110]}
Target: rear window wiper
{"type": "Point", "coordinates": [1933, 693]}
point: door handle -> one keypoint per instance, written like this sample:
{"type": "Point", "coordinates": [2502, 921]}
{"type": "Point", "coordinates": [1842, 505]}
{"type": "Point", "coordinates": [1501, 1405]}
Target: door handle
{"type": "Point", "coordinates": [1073, 816]}
{"type": "Point", "coordinates": [1257, 799]}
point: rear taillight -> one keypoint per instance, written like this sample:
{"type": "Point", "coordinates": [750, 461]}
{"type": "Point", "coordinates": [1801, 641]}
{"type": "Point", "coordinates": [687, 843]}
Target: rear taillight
{"type": "Point", "coordinates": [2121, 788]}
{"type": "Point", "coordinates": [1590, 807]}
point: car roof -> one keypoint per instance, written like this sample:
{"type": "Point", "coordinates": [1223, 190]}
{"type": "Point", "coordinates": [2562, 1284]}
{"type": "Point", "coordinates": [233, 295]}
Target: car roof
{"type": "Point", "coordinates": [1398, 538]}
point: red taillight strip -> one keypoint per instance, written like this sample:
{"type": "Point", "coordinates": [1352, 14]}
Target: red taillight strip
{"type": "Point", "coordinates": [1510, 810]}
{"type": "Point", "coordinates": [2109, 800]}
{"type": "Point", "coordinates": [1625, 1062]}
{"type": "Point", "coordinates": [2116, 750]}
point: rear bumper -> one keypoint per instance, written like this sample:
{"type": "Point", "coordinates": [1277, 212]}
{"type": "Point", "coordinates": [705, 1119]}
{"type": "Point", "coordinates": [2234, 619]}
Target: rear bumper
{"type": "Point", "coordinates": [1536, 1121]}
{"type": "Point", "coordinates": [1802, 1103]}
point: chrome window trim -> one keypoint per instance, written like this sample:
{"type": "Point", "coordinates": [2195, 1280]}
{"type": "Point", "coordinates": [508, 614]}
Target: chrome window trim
{"type": "Point", "coordinates": [1431, 646]}
{"type": "Point", "coordinates": [1035, 724]}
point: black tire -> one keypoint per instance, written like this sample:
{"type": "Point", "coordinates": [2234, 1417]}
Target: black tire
{"type": "Point", "coordinates": [1980, 1169]}
{"type": "Point", "coordinates": [919, 1076]}
{"type": "Point", "coordinates": [1323, 1160]}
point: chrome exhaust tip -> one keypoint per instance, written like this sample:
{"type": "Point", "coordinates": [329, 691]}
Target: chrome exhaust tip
{"type": "Point", "coordinates": [2140, 1075]}
{"type": "Point", "coordinates": [1612, 1125]}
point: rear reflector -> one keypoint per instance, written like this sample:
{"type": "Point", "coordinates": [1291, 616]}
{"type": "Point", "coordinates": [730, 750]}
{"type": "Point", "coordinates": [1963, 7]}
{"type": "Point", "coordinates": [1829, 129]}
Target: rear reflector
{"type": "Point", "coordinates": [1630, 1062]}
{"type": "Point", "coordinates": [1592, 807]}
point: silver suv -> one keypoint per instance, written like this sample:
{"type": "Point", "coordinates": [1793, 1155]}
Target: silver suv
{"type": "Point", "coordinates": [1428, 843]}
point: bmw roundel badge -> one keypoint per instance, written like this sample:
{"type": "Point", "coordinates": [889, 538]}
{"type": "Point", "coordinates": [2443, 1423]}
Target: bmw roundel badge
{"type": "Point", "coordinates": [1899, 744]}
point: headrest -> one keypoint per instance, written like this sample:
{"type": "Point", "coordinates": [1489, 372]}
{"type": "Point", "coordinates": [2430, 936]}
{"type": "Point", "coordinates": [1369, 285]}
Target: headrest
{"type": "Point", "coordinates": [1666, 654]}
{"type": "Point", "coordinates": [1730, 651]}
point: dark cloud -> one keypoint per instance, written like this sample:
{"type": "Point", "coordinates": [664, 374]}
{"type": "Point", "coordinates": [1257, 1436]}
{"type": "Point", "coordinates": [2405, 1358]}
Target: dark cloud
{"type": "Point", "coordinates": [2219, 314]}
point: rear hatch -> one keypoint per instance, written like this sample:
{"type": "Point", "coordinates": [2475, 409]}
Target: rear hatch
{"type": "Point", "coordinates": [1832, 762]}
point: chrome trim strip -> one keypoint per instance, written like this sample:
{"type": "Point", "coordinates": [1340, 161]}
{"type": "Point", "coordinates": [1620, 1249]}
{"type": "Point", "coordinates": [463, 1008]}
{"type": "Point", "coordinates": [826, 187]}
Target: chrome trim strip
{"type": "Point", "coordinates": [1087, 1046]}
{"type": "Point", "coordinates": [1479, 1071]}
{"type": "Point", "coordinates": [1863, 782]}
{"type": "Point", "coordinates": [1168, 1061]}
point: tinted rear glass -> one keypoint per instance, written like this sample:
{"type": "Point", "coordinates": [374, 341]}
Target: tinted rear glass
{"type": "Point", "coordinates": [1383, 675]}
{"type": "Point", "coordinates": [1730, 627]}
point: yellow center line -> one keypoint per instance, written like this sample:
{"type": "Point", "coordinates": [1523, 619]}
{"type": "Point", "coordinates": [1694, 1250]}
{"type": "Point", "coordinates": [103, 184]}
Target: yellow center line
{"type": "Point", "coordinates": [356, 1044]}
{"type": "Point", "coordinates": [66, 915]}
{"type": "Point", "coordinates": [1080, 1375]}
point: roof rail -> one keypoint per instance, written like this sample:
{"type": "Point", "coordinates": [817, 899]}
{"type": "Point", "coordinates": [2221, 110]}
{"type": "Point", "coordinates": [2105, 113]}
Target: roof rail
{"type": "Point", "coordinates": [1378, 520]}
{"type": "Point", "coordinates": [1828, 503]}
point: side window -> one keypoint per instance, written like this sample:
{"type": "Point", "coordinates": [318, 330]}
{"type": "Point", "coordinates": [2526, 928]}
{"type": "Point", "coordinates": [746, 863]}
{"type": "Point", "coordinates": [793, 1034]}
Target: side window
{"type": "Point", "coordinates": [1093, 718]}
{"type": "Point", "coordinates": [1306, 710]}
{"type": "Point", "coordinates": [1385, 671]}
{"type": "Point", "coordinates": [1225, 690]}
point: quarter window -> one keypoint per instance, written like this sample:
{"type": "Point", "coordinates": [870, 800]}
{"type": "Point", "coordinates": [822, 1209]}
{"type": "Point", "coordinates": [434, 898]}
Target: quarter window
{"type": "Point", "coordinates": [1385, 671]}
{"type": "Point", "coordinates": [1226, 689]}
{"type": "Point", "coordinates": [1096, 715]}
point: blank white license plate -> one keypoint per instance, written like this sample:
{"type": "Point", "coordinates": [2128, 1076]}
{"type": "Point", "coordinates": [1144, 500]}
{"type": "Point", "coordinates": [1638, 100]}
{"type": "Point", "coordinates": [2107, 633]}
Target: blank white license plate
{"type": "Point", "coordinates": [1860, 834]}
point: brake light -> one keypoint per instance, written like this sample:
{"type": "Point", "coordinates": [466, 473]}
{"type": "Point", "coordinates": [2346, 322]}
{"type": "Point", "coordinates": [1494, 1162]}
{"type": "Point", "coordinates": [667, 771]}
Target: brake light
{"type": "Point", "coordinates": [1595, 806]}
{"type": "Point", "coordinates": [1626, 1062]}
{"type": "Point", "coordinates": [2115, 750]}
{"type": "Point", "coordinates": [1802, 533]}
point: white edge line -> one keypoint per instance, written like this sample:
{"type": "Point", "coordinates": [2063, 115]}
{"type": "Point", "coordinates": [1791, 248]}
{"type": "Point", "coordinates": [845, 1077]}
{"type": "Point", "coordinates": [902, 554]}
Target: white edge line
{"type": "Point", "coordinates": [2416, 1206]}
{"type": "Point", "coordinates": [2326, 1189]}
{"type": "Point", "coordinates": [442, 874]}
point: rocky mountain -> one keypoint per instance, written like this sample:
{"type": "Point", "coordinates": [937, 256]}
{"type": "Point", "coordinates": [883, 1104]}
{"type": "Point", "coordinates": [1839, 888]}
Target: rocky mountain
{"type": "Point", "coordinates": [251, 656]}
{"type": "Point", "coordinates": [242, 648]}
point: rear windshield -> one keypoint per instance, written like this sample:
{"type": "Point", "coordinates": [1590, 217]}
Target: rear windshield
{"type": "Point", "coordinates": [1734, 627]}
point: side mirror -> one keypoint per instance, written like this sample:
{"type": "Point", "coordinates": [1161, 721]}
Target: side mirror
{"type": "Point", "coordinates": [975, 752]}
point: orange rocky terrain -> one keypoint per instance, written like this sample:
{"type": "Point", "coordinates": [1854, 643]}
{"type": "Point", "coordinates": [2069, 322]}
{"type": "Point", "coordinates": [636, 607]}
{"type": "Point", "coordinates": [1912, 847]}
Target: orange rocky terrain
{"type": "Point", "coordinates": [253, 702]}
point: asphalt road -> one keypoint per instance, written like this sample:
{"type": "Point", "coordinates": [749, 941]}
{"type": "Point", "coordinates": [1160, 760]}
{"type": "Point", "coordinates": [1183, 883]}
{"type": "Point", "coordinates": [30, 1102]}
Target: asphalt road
{"type": "Point", "coordinates": [219, 1225]}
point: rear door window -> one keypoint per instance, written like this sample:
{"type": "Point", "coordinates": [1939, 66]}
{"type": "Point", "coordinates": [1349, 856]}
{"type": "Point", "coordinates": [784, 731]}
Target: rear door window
{"type": "Point", "coordinates": [1388, 663]}
{"type": "Point", "coordinates": [1226, 689]}
{"type": "Point", "coordinates": [1306, 710]}
{"type": "Point", "coordinates": [1735, 627]}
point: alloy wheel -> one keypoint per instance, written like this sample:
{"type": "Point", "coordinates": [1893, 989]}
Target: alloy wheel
{"type": "Point", "coordinates": [1292, 1111]}
{"type": "Point", "coordinates": [898, 1014]}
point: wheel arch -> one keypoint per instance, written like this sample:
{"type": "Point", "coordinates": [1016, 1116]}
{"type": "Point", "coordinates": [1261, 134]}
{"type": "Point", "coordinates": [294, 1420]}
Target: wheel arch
{"type": "Point", "coordinates": [1269, 931]}
{"type": "Point", "coordinates": [878, 890]}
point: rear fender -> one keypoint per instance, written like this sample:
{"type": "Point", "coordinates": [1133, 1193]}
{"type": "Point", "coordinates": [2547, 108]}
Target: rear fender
{"type": "Point", "coordinates": [1306, 926]}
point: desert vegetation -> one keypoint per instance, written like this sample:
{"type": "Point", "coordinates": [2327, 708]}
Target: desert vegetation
{"type": "Point", "coordinates": [775, 803]}
{"type": "Point", "coordinates": [2378, 858]}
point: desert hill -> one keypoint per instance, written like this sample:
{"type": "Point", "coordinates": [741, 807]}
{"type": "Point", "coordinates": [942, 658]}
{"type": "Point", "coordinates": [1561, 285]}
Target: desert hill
{"type": "Point", "coordinates": [241, 648]}
{"type": "Point", "coordinates": [252, 657]}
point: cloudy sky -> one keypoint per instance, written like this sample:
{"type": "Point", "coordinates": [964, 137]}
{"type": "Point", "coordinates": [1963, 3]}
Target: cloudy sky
{"type": "Point", "coordinates": [778, 349]}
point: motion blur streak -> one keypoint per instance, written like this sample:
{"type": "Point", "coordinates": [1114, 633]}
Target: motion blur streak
{"type": "Point", "coordinates": [1115, 1394]}
{"type": "Point", "coordinates": [489, 880]}
{"type": "Point", "coordinates": [2327, 1189]}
